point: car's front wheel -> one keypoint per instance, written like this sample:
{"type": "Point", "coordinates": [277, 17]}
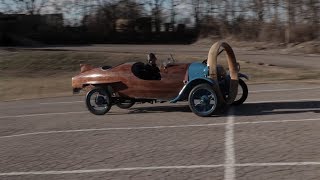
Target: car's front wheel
{"type": "Point", "coordinates": [203, 100]}
{"type": "Point", "coordinates": [242, 93]}
{"type": "Point", "coordinates": [98, 101]}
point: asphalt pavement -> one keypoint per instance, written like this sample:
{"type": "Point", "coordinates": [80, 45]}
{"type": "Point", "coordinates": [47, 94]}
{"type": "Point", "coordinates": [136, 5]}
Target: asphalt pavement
{"type": "Point", "coordinates": [274, 135]}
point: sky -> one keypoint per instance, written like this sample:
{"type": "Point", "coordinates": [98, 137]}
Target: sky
{"type": "Point", "coordinates": [73, 16]}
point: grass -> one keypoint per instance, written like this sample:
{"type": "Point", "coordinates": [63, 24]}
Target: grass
{"type": "Point", "coordinates": [51, 62]}
{"type": "Point", "coordinates": [34, 74]}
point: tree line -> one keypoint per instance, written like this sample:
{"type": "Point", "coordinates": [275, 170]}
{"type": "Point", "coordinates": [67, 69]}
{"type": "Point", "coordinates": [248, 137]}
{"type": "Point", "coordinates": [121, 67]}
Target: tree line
{"type": "Point", "coordinates": [262, 20]}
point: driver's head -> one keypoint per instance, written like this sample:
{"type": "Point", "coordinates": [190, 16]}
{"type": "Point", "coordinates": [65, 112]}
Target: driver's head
{"type": "Point", "coordinates": [152, 58]}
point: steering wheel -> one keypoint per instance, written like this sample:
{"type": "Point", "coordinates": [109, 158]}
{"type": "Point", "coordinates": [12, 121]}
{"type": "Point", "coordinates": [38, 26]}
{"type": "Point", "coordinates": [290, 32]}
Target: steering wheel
{"type": "Point", "coordinates": [205, 61]}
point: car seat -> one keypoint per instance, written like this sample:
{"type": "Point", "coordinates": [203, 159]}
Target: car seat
{"type": "Point", "coordinates": [138, 69]}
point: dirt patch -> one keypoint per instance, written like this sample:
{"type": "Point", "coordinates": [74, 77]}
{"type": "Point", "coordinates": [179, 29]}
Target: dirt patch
{"type": "Point", "coordinates": [309, 47]}
{"type": "Point", "coordinates": [34, 87]}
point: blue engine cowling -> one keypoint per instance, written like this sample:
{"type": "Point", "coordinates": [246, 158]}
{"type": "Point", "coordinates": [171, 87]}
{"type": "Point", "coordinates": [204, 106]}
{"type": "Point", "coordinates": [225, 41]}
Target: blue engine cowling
{"type": "Point", "coordinates": [198, 73]}
{"type": "Point", "coordinates": [197, 70]}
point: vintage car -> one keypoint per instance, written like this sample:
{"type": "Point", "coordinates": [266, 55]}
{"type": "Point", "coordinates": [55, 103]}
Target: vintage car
{"type": "Point", "coordinates": [205, 85]}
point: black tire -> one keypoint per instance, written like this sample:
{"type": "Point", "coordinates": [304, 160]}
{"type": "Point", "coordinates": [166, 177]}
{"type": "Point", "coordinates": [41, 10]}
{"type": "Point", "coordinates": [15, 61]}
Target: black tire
{"type": "Point", "coordinates": [126, 104]}
{"type": "Point", "coordinates": [101, 100]}
{"type": "Point", "coordinates": [240, 99]}
{"type": "Point", "coordinates": [207, 97]}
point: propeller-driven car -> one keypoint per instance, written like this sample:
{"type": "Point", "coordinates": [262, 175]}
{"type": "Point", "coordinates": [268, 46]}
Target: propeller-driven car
{"type": "Point", "coordinates": [205, 85]}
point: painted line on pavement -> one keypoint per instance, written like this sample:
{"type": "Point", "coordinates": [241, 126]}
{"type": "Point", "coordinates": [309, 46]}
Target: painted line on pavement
{"type": "Point", "coordinates": [258, 91]}
{"type": "Point", "coordinates": [82, 171]}
{"type": "Point", "coordinates": [64, 102]}
{"type": "Point", "coordinates": [281, 90]}
{"type": "Point", "coordinates": [43, 114]}
{"type": "Point", "coordinates": [229, 169]}
{"type": "Point", "coordinates": [108, 170]}
{"type": "Point", "coordinates": [285, 100]}
{"type": "Point", "coordinates": [79, 112]}
{"type": "Point", "coordinates": [278, 164]}
{"type": "Point", "coordinates": [112, 129]}
{"type": "Point", "coordinates": [279, 121]}
{"type": "Point", "coordinates": [155, 127]}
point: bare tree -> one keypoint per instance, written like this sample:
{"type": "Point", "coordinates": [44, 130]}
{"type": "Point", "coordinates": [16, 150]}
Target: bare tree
{"type": "Point", "coordinates": [212, 7]}
{"type": "Point", "coordinates": [275, 4]}
{"type": "Point", "coordinates": [290, 19]}
{"type": "Point", "coordinates": [173, 4]}
{"type": "Point", "coordinates": [104, 18]}
{"type": "Point", "coordinates": [26, 6]}
{"type": "Point", "coordinates": [196, 5]}
{"type": "Point", "coordinates": [258, 7]}
{"type": "Point", "coordinates": [314, 9]}
{"type": "Point", "coordinates": [156, 12]}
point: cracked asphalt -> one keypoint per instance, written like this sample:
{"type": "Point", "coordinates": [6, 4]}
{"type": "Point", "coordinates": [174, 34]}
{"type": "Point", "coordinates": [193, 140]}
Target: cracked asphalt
{"type": "Point", "coordinates": [275, 136]}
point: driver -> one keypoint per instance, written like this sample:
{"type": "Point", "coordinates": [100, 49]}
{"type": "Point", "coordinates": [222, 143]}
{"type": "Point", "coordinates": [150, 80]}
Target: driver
{"type": "Point", "coordinates": [152, 69]}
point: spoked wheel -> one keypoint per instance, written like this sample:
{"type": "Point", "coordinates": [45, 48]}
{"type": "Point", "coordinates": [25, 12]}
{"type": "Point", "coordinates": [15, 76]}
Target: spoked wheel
{"type": "Point", "coordinates": [242, 93]}
{"type": "Point", "coordinates": [126, 104]}
{"type": "Point", "coordinates": [203, 100]}
{"type": "Point", "coordinates": [98, 101]}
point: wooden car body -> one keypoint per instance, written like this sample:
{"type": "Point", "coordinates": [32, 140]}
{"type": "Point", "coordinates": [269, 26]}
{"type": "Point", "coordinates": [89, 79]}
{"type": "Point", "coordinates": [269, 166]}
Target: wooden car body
{"type": "Point", "coordinates": [122, 80]}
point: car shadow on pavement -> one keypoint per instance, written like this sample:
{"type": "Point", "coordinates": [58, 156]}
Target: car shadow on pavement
{"type": "Point", "coordinates": [272, 108]}
{"type": "Point", "coordinates": [252, 109]}
{"type": "Point", "coordinates": [159, 109]}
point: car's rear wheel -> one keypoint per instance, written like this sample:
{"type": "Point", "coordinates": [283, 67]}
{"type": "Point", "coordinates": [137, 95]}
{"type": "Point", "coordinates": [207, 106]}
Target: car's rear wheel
{"type": "Point", "coordinates": [203, 100]}
{"type": "Point", "coordinates": [98, 101]}
{"type": "Point", "coordinates": [126, 104]}
{"type": "Point", "coordinates": [242, 93]}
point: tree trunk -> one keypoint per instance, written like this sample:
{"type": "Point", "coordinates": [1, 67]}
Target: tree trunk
{"type": "Point", "coordinates": [288, 26]}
